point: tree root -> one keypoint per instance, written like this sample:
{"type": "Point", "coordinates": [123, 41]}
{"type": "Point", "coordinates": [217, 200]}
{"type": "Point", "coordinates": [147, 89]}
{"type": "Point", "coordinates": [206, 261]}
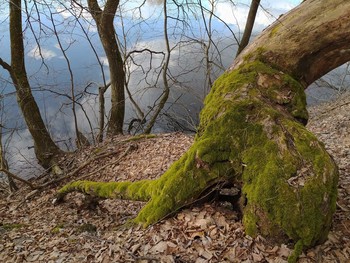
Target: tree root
{"type": "Point", "coordinates": [251, 135]}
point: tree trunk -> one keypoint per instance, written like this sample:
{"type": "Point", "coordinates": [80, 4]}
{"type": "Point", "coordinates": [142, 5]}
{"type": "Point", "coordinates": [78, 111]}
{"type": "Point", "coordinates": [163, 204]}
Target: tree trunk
{"type": "Point", "coordinates": [249, 25]}
{"type": "Point", "coordinates": [104, 22]}
{"type": "Point", "coordinates": [45, 148]}
{"type": "Point", "coordinates": [252, 134]}
{"type": "Point", "coordinates": [4, 165]}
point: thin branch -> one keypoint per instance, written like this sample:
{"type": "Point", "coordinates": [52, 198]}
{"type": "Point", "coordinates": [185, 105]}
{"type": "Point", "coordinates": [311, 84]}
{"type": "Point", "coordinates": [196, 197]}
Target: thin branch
{"type": "Point", "coordinates": [130, 148]}
{"type": "Point", "coordinates": [5, 65]}
{"type": "Point", "coordinates": [166, 91]}
{"type": "Point", "coordinates": [8, 173]}
{"type": "Point", "coordinates": [82, 166]}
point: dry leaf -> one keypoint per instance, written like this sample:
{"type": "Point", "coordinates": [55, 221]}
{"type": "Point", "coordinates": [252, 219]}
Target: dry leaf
{"type": "Point", "coordinates": [195, 234]}
{"type": "Point", "coordinates": [284, 251]}
{"type": "Point", "coordinates": [257, 257]}
{"type": "Point", "coordinates": [161, 247]}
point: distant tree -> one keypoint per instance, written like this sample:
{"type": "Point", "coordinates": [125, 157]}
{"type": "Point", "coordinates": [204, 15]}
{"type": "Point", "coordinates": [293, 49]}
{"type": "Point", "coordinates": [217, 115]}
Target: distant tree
{"type": "Point", "coordinates": [252, 135]}
{"type": "Point", "coordinates": [166, 90]}
{"type": "Point", "coordinates": [104, 22]}
{"type": "Point", "coordinates": [46, 150]}
{"type": "Point", "coordinates": [166, 78]}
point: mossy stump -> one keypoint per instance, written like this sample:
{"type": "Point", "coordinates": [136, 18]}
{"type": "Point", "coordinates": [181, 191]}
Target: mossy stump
{"type": "Point", "coordinates": [252, 135]}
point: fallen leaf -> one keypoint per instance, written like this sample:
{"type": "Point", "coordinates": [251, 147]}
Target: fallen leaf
{"type": "Point", "coordinates": [161, 247]}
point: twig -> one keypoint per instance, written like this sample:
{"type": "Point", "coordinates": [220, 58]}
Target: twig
{"type": "Point", "coordinates": [336, 107]}
{"type": "Point", "coordinates": [87, 163]}
{"type": "Point", "coordinates": [130, 147]}
{"type": "Point", "coordinates": [347, 230]}
{"type": "Point", "coordinates": [77, 169]}
{"type": "Point", "coordinates": [8, 173]}
{"type": "Point", "coordinates": [342, 208]}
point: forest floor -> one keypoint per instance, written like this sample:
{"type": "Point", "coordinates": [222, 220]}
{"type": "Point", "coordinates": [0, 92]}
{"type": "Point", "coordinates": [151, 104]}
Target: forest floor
{"type": "Point", "coordinates": [32, 229]}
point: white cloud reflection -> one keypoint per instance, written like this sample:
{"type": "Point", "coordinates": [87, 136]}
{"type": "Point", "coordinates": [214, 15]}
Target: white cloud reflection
{"type": "Point", "coordinates": [267, 13]}
{"type": "Point", "coordinates": [44, 53]}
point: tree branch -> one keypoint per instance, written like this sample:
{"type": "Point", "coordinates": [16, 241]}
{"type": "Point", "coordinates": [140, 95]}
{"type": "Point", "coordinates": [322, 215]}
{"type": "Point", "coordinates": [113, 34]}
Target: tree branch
{"type": "Point", "coordinates": [6, 66]}
{"type": "Point", "coordinates": [8, 173]}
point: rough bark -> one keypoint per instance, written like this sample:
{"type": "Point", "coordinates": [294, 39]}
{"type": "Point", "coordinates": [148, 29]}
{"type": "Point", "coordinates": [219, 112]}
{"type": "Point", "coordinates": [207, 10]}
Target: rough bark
{"type": "Point", "coordinates": [104, 22]}
{"type": "Point", "coordinates": [252, 134]}
{"type": "Point", "coordinates": [45, 149]}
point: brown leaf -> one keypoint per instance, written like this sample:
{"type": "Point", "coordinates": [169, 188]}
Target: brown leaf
{"type": "Point", "coordinates": [161, 247]}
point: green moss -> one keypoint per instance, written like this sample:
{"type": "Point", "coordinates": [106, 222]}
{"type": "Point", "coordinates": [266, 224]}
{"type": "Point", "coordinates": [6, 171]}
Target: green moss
{"type": "Point", "coordinates": [87, 228]}
{"type": "Point", "coordinates": [302, 211]}
{"type": "Point", "coordinates": [254, 56]}
{"type": "Point", "coordinates": [233, 92]}
{"type": "Point", "coordinates": [11, 226]}
{"type": "Point", "coordinates": [297, 105]}
{"type": "Point", "coordinates": [250, 135]}
{"type": "Point", "coordinates": [249, 221]}
{"type": "Point", "coordinates": [123, 190]}
{"type": "Point", "coordinates": [263, 177]}
{"type": "Point", "coordinates": [275, 30]}
{"type": "Point", "coordinates": [274, 148]}
{"type": "Point", "coordinates": [57, 228]}
{"type": "Point", "coordinates": [298, 249]}
{"type": "Point", "coordinates": [141, 136]}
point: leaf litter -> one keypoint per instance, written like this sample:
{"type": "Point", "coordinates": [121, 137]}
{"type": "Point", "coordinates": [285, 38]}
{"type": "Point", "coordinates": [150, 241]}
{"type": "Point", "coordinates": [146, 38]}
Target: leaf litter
{"type": "Point", "coordinates": [32, 229]}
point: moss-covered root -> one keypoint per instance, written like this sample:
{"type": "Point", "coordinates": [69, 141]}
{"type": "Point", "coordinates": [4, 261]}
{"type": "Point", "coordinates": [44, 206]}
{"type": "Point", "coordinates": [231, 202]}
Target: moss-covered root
{"type": "Point", "coordinates": [185, 181]}
{"type": "Point", "coordinates": [253, 116]}
{"type": "Point", "coordinates": [250, 134]}
{"type": "Point", "coordinates": [298, 249]}
{"type": "Point", "coordinates": [138, 191]}
{"type": "Point", "coordinates": [200, 168]}
{"type": "Point", "coordinates": [290, 185]}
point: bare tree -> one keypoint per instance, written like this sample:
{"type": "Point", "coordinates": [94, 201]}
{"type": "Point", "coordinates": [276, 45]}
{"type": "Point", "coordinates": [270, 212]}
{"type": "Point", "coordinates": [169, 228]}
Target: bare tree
{"type": "Point", "coordinates": [121, 52]}
{"type": "Point", "coordinates": [104, 22]}
{"type": "Point", "coordinates": [166, 89]}
{"type": "Point", "coordinates": [45, 149]}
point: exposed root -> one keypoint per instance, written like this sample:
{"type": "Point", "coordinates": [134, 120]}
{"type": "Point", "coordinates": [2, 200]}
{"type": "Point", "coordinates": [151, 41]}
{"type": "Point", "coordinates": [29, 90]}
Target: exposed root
{"type": "Point", "coordinates": [251, 135]}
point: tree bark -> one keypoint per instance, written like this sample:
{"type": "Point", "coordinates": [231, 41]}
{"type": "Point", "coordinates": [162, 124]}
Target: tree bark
{"type": "Point", "coordinates": [252, 135]}
{"type": "Point", "coordinates": [104, 22]}
{"type": "Point", "coordinates": [249, 25]}
{"type": "Point", "coordinates": [45, 149]}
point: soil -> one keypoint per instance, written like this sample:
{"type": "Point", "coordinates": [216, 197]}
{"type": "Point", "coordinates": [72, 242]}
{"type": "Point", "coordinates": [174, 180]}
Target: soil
{"type": "Point", "coordinates": [33, 229]}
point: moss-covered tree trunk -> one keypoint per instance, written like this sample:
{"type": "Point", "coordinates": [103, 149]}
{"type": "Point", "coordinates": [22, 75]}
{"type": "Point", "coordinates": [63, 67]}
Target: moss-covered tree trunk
{"type": "Point", "coordinates": [252, 134]}
{"type": "Point", "coordinates": [45, 149]}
